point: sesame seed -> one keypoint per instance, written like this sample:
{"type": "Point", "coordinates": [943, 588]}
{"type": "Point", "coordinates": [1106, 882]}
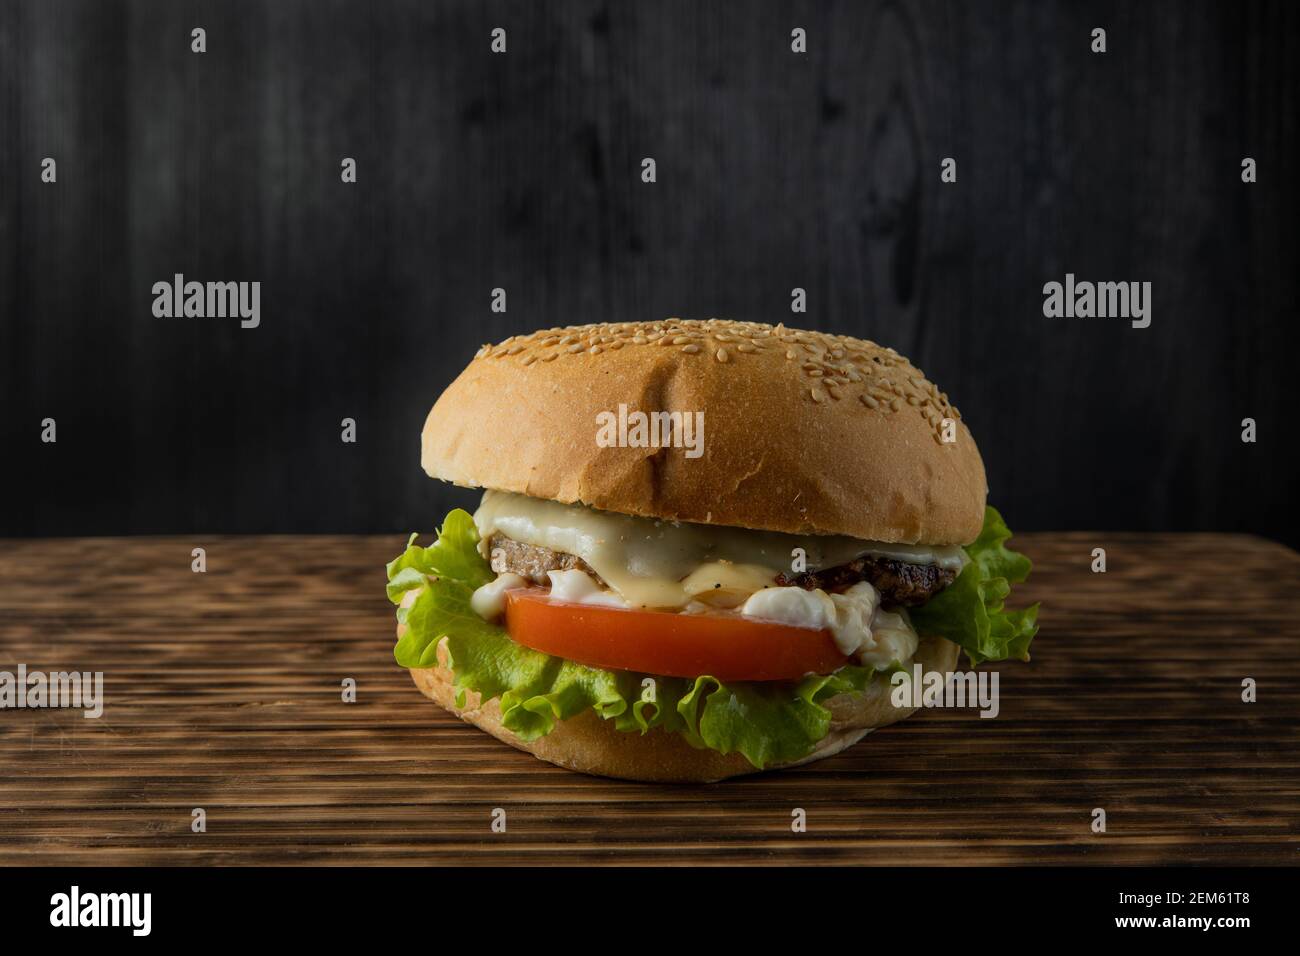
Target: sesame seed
{"type": "Point", "coordinates": [827, 364]}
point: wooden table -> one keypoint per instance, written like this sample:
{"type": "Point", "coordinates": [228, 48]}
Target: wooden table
{"type": "Point", "coordinates": [223, 692]}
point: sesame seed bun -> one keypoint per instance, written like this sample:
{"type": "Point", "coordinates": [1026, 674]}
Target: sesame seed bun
{"type": "Point", "coordinates": [804, 432]}
{"type": "Point", "coordinates": [589, 744]}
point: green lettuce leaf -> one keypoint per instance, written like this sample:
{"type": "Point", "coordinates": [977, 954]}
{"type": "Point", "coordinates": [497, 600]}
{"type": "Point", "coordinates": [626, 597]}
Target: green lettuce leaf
{"type": "Point", "coordinates": [970, 613]}
{"type": "Point", "coordinates": [535, 689]}
{"type": "Point", "coordinates": [766, 722]}
{"type": "Point", "coordinates": [454, 555]}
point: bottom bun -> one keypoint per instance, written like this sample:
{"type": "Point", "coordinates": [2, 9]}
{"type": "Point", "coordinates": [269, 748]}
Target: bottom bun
{"type": "Point", "coordinates": [590, 744]}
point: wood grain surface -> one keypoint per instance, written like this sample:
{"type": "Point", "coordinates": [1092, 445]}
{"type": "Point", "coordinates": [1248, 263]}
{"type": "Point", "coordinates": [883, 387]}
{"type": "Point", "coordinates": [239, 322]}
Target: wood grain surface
{"type": "Point", "coordinates": [223, 692]}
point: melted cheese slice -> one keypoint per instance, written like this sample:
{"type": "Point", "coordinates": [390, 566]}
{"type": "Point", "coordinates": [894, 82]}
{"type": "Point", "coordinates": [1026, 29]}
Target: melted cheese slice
{"type": "Point", "coordinates": [653, 563]}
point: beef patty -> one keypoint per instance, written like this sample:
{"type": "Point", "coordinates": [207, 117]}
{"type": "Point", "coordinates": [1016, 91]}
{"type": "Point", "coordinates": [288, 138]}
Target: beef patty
{"type": "Point", "coordinates": [532, 562]}
{"type": "Point", "coordinates": [899, 583]}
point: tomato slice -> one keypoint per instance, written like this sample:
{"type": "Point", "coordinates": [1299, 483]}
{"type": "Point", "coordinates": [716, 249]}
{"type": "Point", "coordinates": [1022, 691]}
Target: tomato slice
{"type": "Point", "coordinates": [723, 645]}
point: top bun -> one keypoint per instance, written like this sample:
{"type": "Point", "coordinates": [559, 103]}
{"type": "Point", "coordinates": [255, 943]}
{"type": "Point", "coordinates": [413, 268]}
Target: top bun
{"type": "Point", "coordinates": [804, 432]}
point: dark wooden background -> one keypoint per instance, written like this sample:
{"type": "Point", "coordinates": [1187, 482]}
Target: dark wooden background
{"type": "Point", "coordinates": [522, 171]}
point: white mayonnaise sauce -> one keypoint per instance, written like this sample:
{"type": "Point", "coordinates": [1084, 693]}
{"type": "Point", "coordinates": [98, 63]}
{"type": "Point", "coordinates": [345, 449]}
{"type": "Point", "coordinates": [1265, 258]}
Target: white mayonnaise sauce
{"type": "Point", "coordinates": [489, 601]}
{"type": "Point", "coordinates": [860, 628]}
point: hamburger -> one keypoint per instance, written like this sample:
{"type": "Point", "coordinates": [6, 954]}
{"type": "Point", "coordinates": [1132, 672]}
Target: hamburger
{"type": "Point", "coordinates": [703, 549]}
